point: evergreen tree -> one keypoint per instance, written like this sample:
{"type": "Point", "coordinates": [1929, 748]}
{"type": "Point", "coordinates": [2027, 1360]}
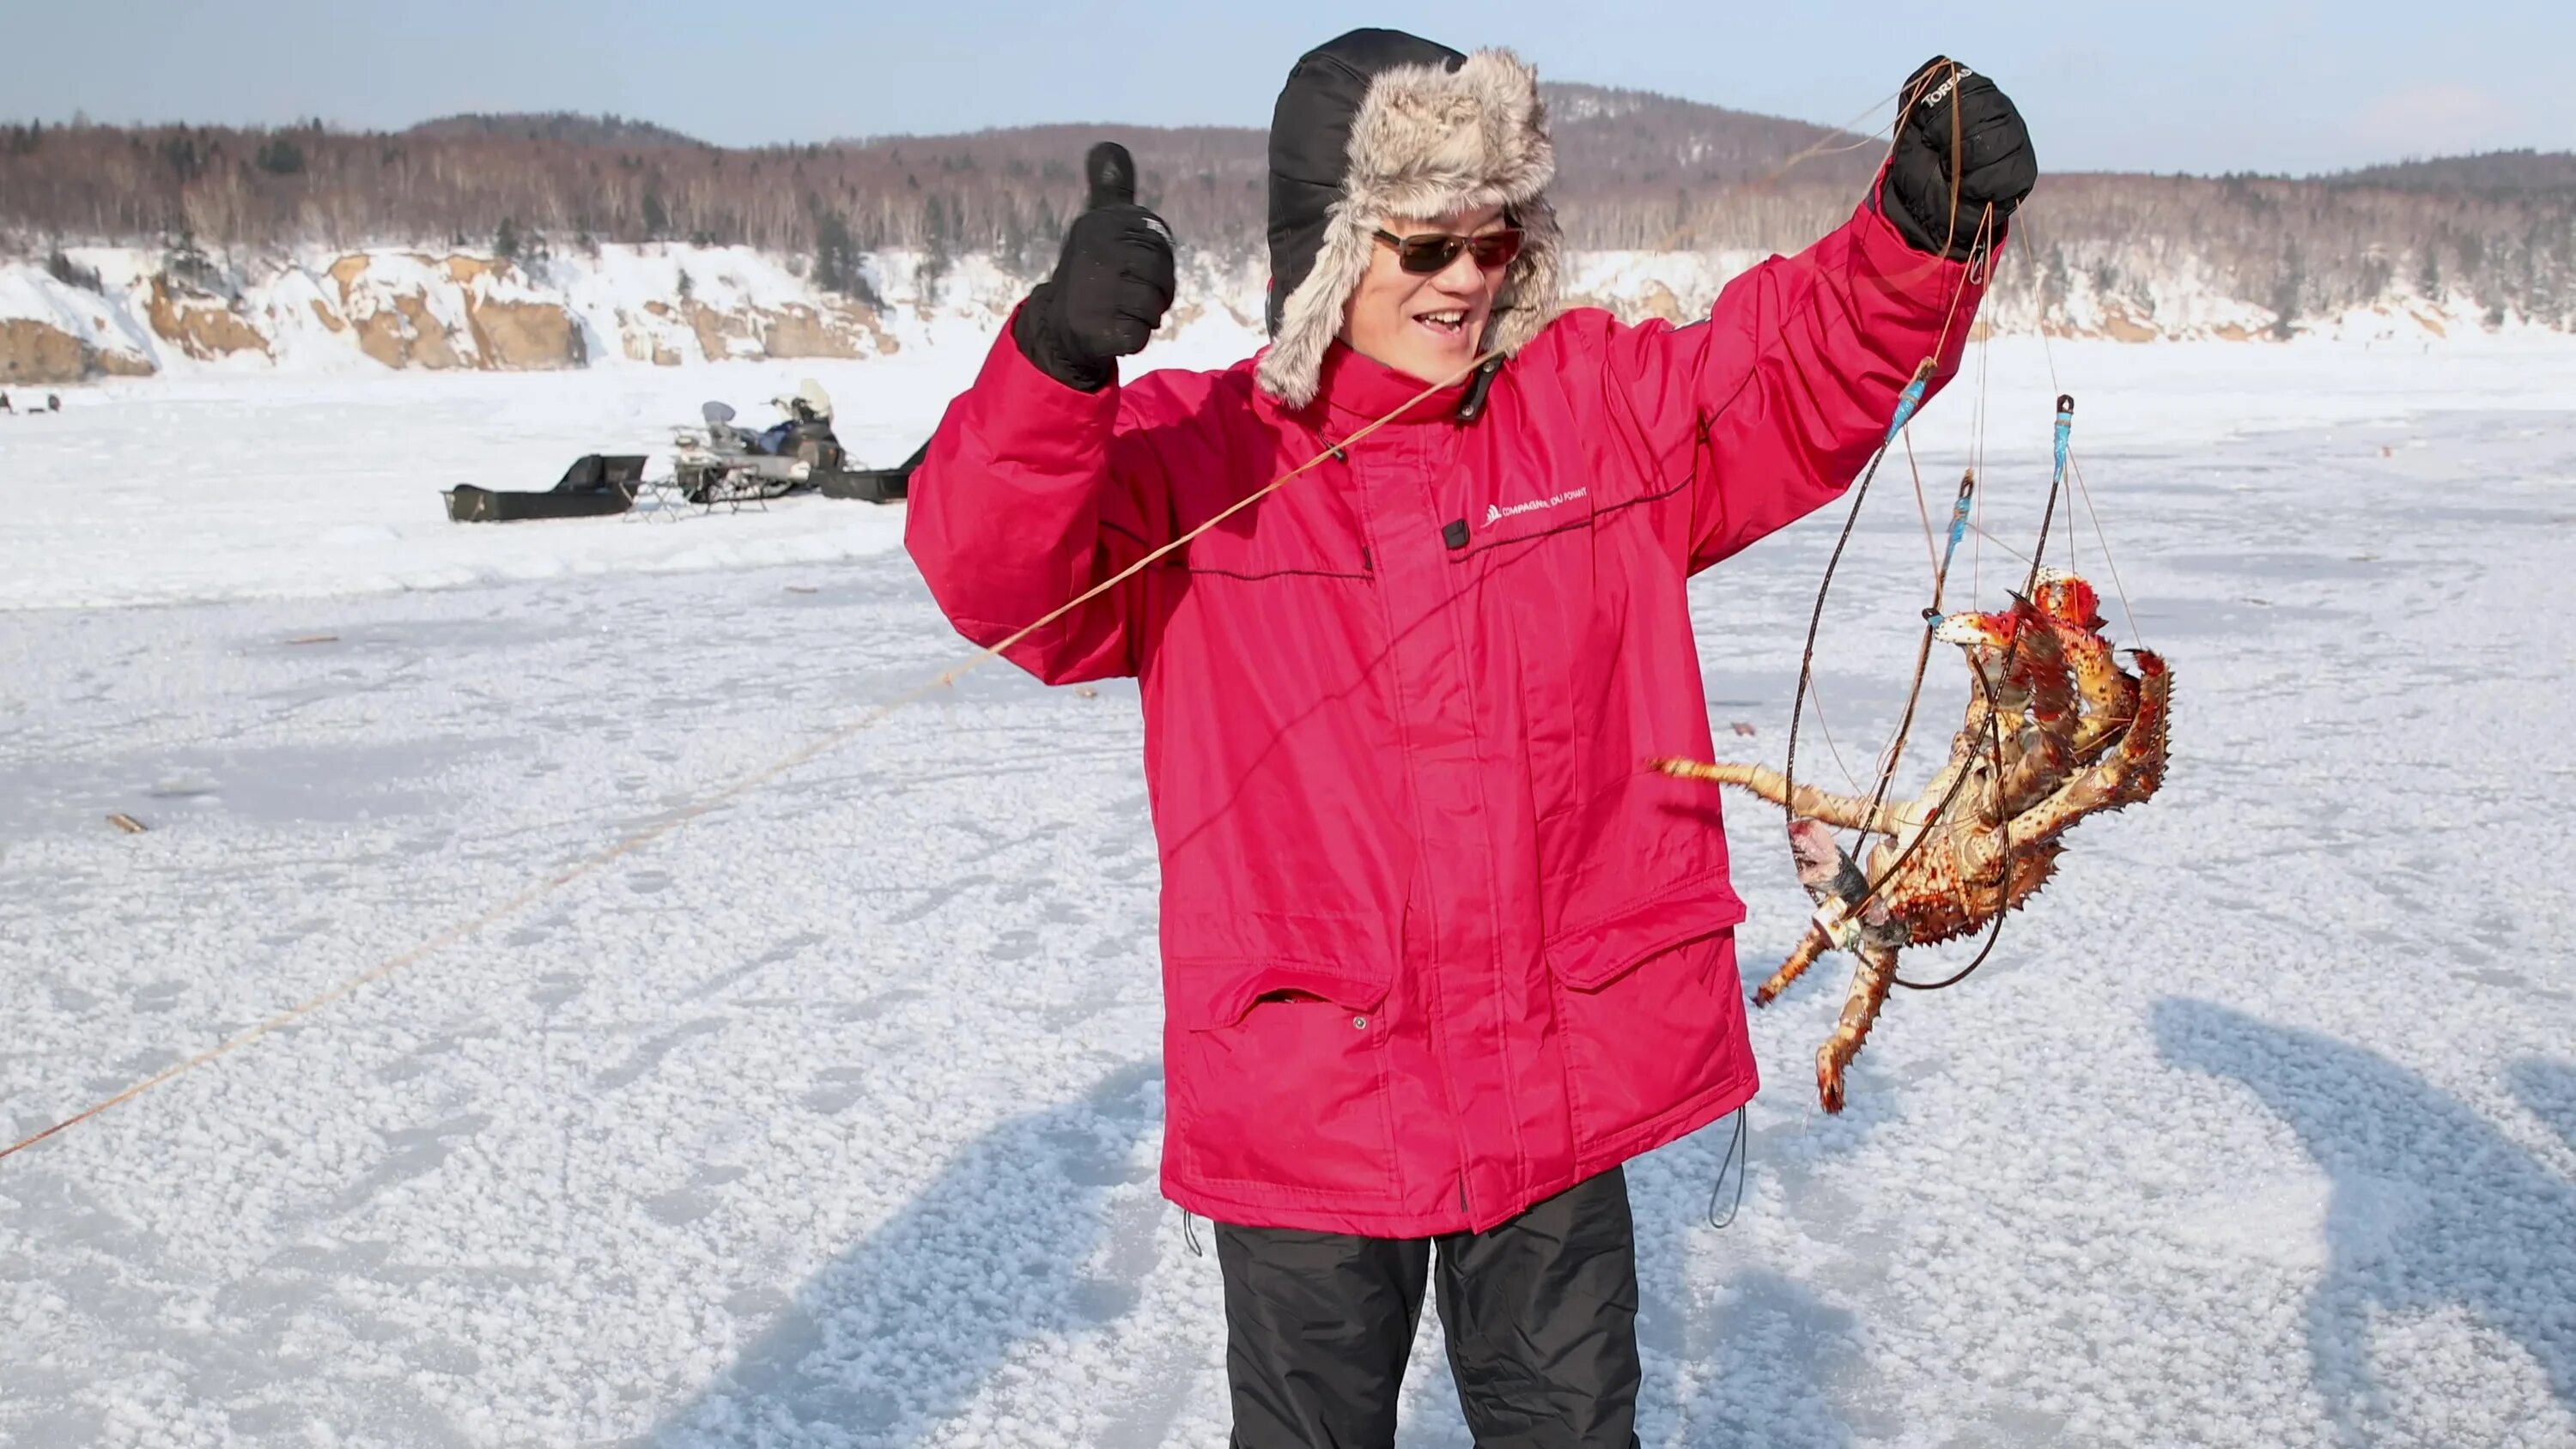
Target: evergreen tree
{"type": "Point", "coordinates": [2288, 283]}
{"type": "Point", "coordinates": [279, 156]}
{"type": "Point", "coordinates": [938, 241]}
{"type": "Point", "coordinates": [836, 256]}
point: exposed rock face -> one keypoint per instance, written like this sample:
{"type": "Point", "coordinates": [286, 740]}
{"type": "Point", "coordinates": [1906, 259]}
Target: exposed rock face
{"type": "Point", "coordinates": [39, 352]}
{"type": "Point", "coordinates": [35, 352]}
{"type": "Point", "coordinates": [845, 331]}
{"type": "Point", "coordinates": [1657, 300]}
{"type": "Point", "coordinates": [382, 334]}
{"type": "Point", "coordinates": [513, 336]}
{"type": "Point", "coordinates": [123, 364]}
{"type": "Point", "coordinates": [663, 303]}
{"type": "Point", "coordinates": [397, 326]}
{"type": "Point", "coordinates": [404, 334]}
{"type": "Point", "coordinates": [720, 332]}
{"type": "Point", "coordinates": [203, 327]}
{"type": "Point", "coordinates": [345, 273]}
{"type": "Point", "coordinates": [842, 329]}
{"type": "Point", "coordinates": [428, 344]}
{"type": "Point", "coordinates": [2120, 326]}
{"type": "Point", "coordinates": [640, 344]}
{"type": "Point", "coordinates": [524, 336]}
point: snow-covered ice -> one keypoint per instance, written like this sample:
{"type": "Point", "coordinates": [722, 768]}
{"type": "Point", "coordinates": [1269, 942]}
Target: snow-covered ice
{"type": "Point", "coordinates": [830, 1117]}
{"type": "Point", "coordinates": [317, 484]}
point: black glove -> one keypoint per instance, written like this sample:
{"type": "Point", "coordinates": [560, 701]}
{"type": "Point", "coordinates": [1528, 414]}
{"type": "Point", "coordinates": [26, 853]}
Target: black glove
{"type": "Point", "coordinates": [1942, 101]}
{"type": "Point", "coordinates": [1112, 282]}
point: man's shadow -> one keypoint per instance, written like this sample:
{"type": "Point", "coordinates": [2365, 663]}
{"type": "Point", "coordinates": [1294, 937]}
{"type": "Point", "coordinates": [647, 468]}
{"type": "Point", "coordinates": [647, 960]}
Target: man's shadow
{"type": "Point", "coordinates": [898, 1334]}
{"type": "Point", "coordinates": [2433, 1208]}
{"type": "Point", "coordinates": [2548, 1089]}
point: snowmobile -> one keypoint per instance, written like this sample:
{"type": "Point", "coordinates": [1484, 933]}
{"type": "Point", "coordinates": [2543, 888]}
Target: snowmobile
{"type": "Point", "coordinates": [720, 462]}
{"type": "Point", "coordinates": [723, 462]}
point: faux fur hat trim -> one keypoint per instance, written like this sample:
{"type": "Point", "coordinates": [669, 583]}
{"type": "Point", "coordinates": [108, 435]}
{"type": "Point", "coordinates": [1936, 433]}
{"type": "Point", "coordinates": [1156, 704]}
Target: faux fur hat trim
{"type": "Point", "coordinates": [1430, 141]}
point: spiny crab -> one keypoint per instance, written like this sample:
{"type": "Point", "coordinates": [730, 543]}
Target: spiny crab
{"type": "Point", "coordinates": [2057, 731]}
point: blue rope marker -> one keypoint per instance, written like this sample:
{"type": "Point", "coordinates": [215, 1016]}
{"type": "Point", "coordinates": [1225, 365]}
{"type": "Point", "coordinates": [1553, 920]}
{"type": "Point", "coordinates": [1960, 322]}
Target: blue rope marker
{"type": "Point", "coordinates": [1958, 528]}
{"type": "Point", "coordinates": [1907, 401]}
{"type": "Point", "coordinates": [2065, 426]}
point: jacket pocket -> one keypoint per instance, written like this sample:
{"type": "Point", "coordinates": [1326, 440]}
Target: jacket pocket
{"type": "Point", "coordinates": [1589, 954]}
{"type": "Point", "coordinates": [1650, 1009]}
{"type": "Point", "coordinates": [1288, 535]}
{"type": "Point", "coordinates": [1277, 1056]}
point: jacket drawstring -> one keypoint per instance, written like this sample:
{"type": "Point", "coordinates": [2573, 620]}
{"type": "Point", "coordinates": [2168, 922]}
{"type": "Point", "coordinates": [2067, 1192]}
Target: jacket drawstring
{"type": "Point", "coordinates": [1735, 1146]}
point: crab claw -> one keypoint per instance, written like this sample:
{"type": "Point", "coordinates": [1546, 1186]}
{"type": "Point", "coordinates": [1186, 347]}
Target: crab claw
{"type": "Point", "coordinates": [2069, 598]}
{"type": "Point", "coordinates": [1969, 628]}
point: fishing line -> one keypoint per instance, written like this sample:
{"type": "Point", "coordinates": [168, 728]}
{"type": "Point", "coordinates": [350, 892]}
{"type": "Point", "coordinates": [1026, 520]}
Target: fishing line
{"type": "Point", "coordinates": [637, 841]}
{"type": "Point", "coordinates": [590, 865]}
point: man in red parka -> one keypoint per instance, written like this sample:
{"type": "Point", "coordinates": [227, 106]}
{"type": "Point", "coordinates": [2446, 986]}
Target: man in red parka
{"type": "Point", "coordinates": [1440, 952]}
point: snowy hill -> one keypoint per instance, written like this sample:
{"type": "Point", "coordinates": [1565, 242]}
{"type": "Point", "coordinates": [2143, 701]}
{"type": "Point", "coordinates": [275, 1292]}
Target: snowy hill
{"type": "Point", "coordinates": [608, 130]}
{"type": "Point", "coordinates": [544, 241]}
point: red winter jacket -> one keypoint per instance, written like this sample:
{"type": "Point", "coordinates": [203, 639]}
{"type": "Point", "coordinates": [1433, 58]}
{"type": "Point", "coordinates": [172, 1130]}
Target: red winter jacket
{"type": "Point", "coordinates": [1436, 944]}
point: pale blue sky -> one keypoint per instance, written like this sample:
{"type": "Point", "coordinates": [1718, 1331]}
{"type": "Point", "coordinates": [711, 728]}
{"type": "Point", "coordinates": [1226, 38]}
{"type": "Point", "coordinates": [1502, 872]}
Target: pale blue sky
{"type": "Point", "coordinates": [2197, 85]}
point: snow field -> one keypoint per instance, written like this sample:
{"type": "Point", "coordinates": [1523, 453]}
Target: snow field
{"type": "Point", "coordinates": [831, 1118]}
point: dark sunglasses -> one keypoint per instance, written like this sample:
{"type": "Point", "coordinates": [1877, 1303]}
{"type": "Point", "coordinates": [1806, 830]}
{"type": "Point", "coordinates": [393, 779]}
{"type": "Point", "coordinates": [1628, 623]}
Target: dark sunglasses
{"type": "Point", "coordinates": [1433, 251]}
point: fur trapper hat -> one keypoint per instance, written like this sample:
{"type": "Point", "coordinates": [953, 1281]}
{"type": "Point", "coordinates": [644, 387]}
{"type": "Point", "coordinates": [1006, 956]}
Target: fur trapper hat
{"type": "Point", "coordinates": [1379, 124]}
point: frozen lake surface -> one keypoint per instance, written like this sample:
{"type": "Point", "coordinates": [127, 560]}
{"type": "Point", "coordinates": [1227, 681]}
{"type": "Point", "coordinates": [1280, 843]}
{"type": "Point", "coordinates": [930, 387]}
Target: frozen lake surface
{"type": "Point", "coordinates": [831, 1116]}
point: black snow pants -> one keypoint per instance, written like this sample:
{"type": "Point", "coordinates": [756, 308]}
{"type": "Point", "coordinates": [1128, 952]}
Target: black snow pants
{"type": "Point", "coordinates": [1541, 1314]}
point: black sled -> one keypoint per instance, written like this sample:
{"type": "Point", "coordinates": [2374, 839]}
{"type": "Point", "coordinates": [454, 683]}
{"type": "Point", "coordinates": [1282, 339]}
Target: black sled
{"type": "Point", "coordinates": [597, 485]}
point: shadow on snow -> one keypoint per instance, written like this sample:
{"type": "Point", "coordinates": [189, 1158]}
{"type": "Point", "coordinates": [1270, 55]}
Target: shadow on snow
{"type": "Point", "coordinates": [2433, 1208]}
{"type": "Point", "coordinates": [900, 1333]}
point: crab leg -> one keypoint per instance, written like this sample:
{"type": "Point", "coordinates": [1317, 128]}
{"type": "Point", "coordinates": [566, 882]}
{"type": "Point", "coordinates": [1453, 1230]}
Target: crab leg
{"type": "Point", "coordinates": [1869, 988]}
{"type": "Point", "coordinates": [1844, 812]}
{"type": "Point", "coordinates": [2128, 774]}
{"type": "Point", "coordinates": [2110, 693]}
{"type": "Point", "coordinates": [1803, 955]}
{"type": "Point", "coordinates": [2039, 763]}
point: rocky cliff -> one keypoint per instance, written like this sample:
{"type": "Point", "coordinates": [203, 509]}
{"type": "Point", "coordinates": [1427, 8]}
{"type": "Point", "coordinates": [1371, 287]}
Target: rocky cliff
{"type": "Point", "coordinates": [128, 312]}
{"type": "Point", "coordinates": [134, 312]}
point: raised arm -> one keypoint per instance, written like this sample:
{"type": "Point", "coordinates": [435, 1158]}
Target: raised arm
{"type": "Point", "coordinates": [1033, 492]}
{"type": "Point", "coordinates": [1772, 406]}
{"type": "Point", "coordinates": [1029, 497]}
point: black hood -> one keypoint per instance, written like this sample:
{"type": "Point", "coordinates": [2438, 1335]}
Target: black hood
{"type": "Point", "coordinates": [1310, 141]}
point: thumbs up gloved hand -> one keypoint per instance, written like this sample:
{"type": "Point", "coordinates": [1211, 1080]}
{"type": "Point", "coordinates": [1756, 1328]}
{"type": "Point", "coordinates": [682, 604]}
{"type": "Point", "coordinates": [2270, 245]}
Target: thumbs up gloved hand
{"type": "Point", "coordinates": [1956, 123]}
{"type": "Point", "coordinates": [1113, 281]}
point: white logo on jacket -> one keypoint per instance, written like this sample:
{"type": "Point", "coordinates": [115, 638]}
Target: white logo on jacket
{"type": "Point", "coordinates": [1496, 513]}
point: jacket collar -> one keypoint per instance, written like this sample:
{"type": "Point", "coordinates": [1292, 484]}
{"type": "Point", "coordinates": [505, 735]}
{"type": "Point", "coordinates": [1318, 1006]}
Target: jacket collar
{"type": "Point", "coordinates": [1353, 391]}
